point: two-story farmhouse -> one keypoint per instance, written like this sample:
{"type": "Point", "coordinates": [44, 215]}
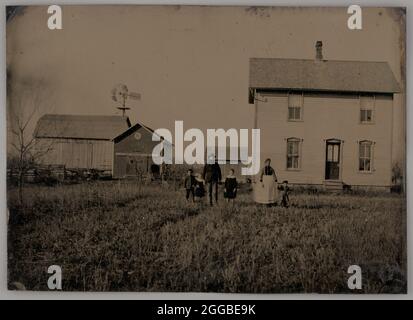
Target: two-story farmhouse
{"type": "Point", "coordinates": [325, 122]}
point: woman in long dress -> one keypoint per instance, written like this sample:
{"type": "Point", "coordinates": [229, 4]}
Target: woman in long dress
{"type": "Point", "coordinates": [266, 190]}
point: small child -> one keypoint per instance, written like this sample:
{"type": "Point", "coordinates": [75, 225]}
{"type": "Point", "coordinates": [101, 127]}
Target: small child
{"type": "Point", "coordinates": [285, 201]}
{"type": "Point", "coordinates": [199, 186]}
{"type": "Point", "coordinates": [189, 183]}
{"type": "Point", "coordinates": [231, 186]}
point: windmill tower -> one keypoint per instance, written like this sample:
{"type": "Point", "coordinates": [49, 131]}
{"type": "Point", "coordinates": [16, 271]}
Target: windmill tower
{"type": "Point", "coordinates": [121, 94]}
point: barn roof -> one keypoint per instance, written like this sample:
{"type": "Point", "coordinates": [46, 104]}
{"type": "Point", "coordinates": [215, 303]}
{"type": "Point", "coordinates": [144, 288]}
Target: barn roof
{"type": "Point", "coordinates": [133, 129]}
{"type": "Point", "coordinates": [99, 127]}
{"type": "Point", "coordinates": [322, 75]}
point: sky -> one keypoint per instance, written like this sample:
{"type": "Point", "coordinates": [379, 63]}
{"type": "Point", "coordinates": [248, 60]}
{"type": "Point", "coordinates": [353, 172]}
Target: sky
{"type": "Point", "coordinates": [188, 63]}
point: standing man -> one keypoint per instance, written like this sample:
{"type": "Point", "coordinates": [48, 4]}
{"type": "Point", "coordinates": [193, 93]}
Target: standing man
{"type": "Point", "coordinates": [212, 177]}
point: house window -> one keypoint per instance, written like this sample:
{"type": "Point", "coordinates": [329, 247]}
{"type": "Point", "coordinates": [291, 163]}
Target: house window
{"type": "Point", "coordinates": [366, 108]}
{"type": "Point", "coordinates": [293, 153]}
{"type": "Point", "coordinates": [295, 106]}
{"type": "Point", "coordinates": [365, 156]}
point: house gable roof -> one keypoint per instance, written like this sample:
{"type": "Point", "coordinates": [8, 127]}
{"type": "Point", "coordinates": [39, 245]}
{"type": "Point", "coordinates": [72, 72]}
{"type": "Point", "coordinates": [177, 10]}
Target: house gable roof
{"type": "Point", "coordinates": [99, 127]}
{"type": "Point", "coordinates": [322, 75]}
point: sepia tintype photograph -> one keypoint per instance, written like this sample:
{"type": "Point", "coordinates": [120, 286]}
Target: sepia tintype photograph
{"type": "Point", "coordinates": [222, 149]}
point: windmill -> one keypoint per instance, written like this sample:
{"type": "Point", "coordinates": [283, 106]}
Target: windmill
{"type": "Point", "coordinates": [120, 94]}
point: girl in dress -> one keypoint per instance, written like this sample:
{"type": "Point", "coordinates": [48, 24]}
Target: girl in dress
{"type": "Point", "coordinates": [266, 191]}
{"type": "Point", "coordinates": [231, 186]}
{"type": "Point", "coordinates": [199, 187]}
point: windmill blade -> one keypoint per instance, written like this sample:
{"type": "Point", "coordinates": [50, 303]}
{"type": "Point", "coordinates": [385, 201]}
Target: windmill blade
{"type": "Point", "coordinates": [134, 95]}
{"type": "Point", "coordinates": [113, 92]}
{"type": "Point", "coordinates": [119, 92]}
{"type": "Point", "coordinates": [123, 89]}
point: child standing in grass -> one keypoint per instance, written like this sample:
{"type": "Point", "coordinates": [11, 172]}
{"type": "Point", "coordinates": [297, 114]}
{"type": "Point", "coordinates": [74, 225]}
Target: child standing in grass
{"type": "Point", "coordinates": [285, 201]}
{"type": "Point", "coordinates": [199, 186]}
{"type": "Point", "coordinates": [189, 183]}
{"type": "Point", "coordinates": [231, 186]}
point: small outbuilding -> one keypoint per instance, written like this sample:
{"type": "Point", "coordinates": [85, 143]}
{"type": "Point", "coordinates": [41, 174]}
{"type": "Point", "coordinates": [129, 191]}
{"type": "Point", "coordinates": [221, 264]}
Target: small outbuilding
{"type": "Point", "coordinates": [133, 153]}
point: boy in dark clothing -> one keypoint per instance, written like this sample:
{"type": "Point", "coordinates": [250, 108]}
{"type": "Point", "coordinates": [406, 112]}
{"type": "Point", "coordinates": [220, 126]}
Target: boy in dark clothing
{"type": "Point", "coordinates": [212, 176]}
{"type": "Point", "coordinates": [189, 183]}
{"type": "Point", "coordinates": [285, 202]}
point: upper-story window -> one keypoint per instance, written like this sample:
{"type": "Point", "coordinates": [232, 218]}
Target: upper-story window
{"type": "Point", "coordinates": [365, 156]}
{"type": "Point", "coordinates": [367, 108]}
{"type": "Point", "coordinates": [295, 106]}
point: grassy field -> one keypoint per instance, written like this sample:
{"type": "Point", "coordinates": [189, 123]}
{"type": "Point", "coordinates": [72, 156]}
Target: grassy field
{"type": "Point", "coordinates": [122, 236]}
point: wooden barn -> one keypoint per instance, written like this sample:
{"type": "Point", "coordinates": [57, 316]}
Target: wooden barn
{"type": "Point", "coordinates": [133, 153]}
{"type": "Point", "coordinates": [79, 141]}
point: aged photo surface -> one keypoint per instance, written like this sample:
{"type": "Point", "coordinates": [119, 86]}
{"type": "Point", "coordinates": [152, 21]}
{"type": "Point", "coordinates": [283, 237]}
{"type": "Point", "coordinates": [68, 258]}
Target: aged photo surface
{"type": "Point", "coordinates": [206, 149]}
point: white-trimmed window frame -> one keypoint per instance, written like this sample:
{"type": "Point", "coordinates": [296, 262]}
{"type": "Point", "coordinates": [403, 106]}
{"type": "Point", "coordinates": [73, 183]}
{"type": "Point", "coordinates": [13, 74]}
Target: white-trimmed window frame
{"type": "Point", "coordinates": [372, 147]}
{"type": "Point", "coordinates": [301, 107]}
{"type": "Point", "coordinates": [373, 109]}
{"type": "Point", "coordinates": [298, 155]}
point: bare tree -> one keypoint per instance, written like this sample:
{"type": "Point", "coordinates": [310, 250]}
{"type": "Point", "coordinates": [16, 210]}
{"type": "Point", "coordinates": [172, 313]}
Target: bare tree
{"type": "Point", "coordinates": [27, 101]}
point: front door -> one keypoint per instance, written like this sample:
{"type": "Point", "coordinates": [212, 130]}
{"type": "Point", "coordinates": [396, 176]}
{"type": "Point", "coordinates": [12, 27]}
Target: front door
{"type": "Point", "coordinates": [332, 160]}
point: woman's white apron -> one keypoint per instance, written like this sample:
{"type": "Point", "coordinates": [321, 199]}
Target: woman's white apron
{"type": "Point", "coordinates": [266, 191]}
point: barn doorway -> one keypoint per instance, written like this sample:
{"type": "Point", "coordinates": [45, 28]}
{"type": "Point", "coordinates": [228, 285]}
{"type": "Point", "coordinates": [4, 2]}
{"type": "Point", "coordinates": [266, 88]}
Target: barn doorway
{"type": "Point", "coordinates": [333, 156]}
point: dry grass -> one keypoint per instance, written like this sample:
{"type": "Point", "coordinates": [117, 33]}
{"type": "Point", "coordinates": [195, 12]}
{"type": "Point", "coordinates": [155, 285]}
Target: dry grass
{"type": "Point", "coordinates": [121, 236]}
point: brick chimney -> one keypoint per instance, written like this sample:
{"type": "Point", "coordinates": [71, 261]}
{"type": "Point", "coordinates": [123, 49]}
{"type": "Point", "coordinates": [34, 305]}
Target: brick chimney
{"type": "Point", "coordinates": [319, 50]}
